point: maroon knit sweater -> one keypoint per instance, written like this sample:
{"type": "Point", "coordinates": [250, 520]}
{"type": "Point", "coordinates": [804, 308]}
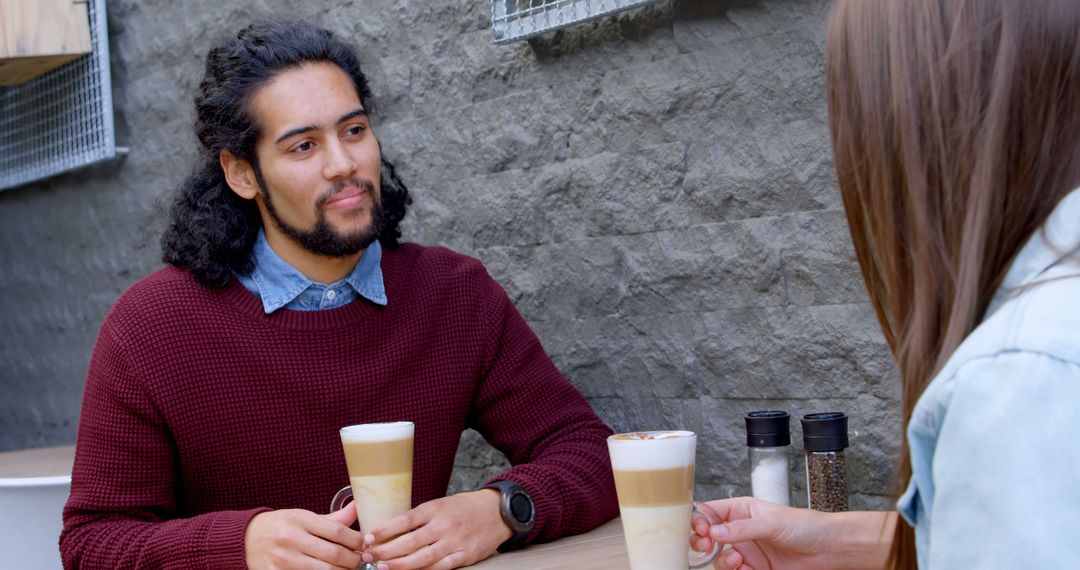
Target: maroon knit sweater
{"type": "Point", "coordinates": [201, 411]}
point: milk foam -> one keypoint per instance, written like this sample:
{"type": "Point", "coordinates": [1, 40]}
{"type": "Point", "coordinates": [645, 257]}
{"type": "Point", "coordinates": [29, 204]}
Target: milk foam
{"type": "Point", "coordinates": [668, 449]}
{"type": "Point", "coordinates": [377, 432]}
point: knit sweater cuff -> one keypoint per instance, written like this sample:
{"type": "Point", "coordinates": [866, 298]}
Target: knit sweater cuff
{"type": "Point", "coordinates": [225, 540]}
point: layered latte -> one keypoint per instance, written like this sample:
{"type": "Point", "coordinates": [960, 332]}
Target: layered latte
{"type": "Point", "coordinates": [654, 480]}
{"type": "Point", "coordinates": [380, 459]}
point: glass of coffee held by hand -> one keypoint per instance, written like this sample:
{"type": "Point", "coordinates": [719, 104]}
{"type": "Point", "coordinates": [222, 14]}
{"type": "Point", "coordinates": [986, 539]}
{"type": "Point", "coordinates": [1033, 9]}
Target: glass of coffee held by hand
{"type": "Point", "coordinates": [654, 481]}
{"type": "Point", "coordinates": [380, 460]}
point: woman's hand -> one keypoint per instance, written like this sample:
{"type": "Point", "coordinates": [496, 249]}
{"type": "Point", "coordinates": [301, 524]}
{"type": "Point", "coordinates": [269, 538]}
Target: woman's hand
{"type": "Point", "coordinates": [766, 536]}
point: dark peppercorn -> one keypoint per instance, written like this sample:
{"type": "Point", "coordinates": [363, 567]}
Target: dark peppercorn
{"type": "Point", "coordinates": [826, 473]}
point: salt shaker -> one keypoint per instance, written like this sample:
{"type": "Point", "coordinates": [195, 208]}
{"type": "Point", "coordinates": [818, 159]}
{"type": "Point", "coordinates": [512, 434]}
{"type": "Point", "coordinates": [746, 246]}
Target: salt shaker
{"type": "Point", "coordinates": [768, 440]}
{"type": "Point", "coordinates": [825, 438]}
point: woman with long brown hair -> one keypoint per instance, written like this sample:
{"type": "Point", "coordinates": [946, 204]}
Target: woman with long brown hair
{"type": "Point", "coordinates": [956, 136]}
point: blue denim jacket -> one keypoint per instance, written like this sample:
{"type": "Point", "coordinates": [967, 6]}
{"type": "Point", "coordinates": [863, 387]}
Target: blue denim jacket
{"type": "Point", "coordinates": [995, 464]}
{"type": "Point", "coordinates": [279, 285]}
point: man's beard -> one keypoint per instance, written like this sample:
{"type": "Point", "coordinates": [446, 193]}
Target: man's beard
{"type": "Point", "coordinates": [323, 239]}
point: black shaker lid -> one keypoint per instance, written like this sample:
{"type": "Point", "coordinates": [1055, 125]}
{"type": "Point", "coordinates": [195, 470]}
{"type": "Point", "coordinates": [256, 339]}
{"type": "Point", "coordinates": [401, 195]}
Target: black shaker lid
{"type": "Point", "coordinates": [825, 431]}
{"type": "Point", "coordinates": [769, 428]}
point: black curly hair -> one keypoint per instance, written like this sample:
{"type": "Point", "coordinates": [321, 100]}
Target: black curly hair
{"type": "Point", "coordinates": [211, 229]}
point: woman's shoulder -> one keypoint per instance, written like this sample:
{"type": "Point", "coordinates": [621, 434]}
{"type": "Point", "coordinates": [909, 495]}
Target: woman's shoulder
{"type": "Point", "coordinates": [1030, 344]}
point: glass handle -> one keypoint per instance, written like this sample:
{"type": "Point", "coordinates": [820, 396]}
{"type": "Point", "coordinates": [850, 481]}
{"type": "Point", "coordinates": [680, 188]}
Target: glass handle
{"type": "Point", "coordinates": [702, 563]}
{"type": "Point", "coordinates": [341, 498]}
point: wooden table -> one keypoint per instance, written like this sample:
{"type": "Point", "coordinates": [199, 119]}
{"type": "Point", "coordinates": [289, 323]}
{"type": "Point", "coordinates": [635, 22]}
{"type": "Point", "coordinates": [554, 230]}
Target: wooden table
{"type": "Point", "coordinates": [599, 549]}
{"type": "Point", "coordinates": [42, 462]}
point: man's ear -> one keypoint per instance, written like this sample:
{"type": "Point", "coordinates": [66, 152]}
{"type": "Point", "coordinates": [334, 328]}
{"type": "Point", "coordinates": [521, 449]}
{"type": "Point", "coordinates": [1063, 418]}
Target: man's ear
{"type": "Point", "coordinates": [239, 175]}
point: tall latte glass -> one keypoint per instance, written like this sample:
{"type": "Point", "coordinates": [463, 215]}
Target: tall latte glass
{"type": "Point", "coordinates": [380, 460]}
{"type": "Point", "coordinates": [654, 480]}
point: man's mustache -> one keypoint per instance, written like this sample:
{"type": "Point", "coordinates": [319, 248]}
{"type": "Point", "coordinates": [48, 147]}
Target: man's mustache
{"type": "Point", "coordinates": [340, 185]}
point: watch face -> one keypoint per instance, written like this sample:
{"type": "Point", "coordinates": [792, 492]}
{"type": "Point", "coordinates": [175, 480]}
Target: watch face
{"type": "Point", "coordinates": [521, 508]}
{"type": "Point", "coordinates": [517, 510]}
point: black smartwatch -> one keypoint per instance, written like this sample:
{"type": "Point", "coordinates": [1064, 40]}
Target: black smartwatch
{"type": "Point", "coordinates": [517, 510]}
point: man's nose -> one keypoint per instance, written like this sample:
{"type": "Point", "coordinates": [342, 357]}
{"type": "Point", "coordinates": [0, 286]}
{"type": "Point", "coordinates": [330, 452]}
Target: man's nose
{"type": "Point", "coordinates": [339, 163]}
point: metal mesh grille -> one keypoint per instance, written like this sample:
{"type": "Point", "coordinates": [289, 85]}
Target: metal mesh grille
{"type": "Point", "coordinates": [519, 19]}
{"type": "Point", "coordinates": [61, 120]}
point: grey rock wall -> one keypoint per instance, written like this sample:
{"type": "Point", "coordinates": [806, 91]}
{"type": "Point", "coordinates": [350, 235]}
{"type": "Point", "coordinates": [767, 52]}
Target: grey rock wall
{"type": "Point", "coordinates": [654, 190]}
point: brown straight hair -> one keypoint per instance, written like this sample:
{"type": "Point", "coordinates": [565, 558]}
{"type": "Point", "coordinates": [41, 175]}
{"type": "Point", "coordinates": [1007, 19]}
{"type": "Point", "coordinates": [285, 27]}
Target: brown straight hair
{"type": "Point", "coordinates": [955, 129]}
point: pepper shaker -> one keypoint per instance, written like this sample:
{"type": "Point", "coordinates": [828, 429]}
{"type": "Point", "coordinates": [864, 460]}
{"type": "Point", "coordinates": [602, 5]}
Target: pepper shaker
{"type": "Point", "coordinates": [768, 441]}
{"type": "Point", "coordinates": [825, 438]}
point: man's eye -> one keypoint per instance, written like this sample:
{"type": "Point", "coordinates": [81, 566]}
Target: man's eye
{"type": "Point", "coordinates": [355, 130]}
{"type": "Point", "coordinates": [302, 147]}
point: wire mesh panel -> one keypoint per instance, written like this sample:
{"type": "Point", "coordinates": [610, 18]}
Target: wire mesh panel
{"type": "Point", "coordinates": [61, 120]}
{"type": "Point", "coordinates": [519, 19]}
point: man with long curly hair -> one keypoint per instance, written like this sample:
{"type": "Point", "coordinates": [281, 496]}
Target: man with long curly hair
{"type": "Point", "coordinates": [289, 309]}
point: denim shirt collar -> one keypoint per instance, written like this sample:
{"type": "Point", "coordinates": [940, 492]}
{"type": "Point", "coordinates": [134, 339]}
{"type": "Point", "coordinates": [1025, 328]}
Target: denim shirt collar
{"type": "Point", "coordinates": [278, 284]}
{"type": "Point", "coordinates": [1046, 248]}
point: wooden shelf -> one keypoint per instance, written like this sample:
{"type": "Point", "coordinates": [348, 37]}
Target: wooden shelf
{"type": "Point", "coordinates": [37, 36]}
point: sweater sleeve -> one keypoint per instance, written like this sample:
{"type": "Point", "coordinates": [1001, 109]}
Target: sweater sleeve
{"type": "Point", "coordinates": [554, 440]}
{"type": "Point", "coordinates": [123, 507]}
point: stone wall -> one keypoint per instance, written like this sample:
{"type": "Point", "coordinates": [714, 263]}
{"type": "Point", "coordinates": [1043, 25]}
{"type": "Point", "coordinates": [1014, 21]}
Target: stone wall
{"type": "Point", "coordinates": [653, 189]}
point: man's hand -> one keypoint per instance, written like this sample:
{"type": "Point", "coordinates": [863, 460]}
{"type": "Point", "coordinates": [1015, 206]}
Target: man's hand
{"type": "Point", "coordinates": [442, 534]}
{"type": "Point", "coordinates": [297, 538]}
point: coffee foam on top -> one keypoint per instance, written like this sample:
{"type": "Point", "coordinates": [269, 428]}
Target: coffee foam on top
{"type": "Point", "coordinates": [651, 450]}
{"type": "Point", "coordinates": [378, 432]}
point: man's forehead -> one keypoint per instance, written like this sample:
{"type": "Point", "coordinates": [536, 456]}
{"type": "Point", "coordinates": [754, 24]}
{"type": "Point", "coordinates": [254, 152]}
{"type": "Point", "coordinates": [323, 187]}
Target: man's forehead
{"type": "Point", "coordinates": [316, 94]}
